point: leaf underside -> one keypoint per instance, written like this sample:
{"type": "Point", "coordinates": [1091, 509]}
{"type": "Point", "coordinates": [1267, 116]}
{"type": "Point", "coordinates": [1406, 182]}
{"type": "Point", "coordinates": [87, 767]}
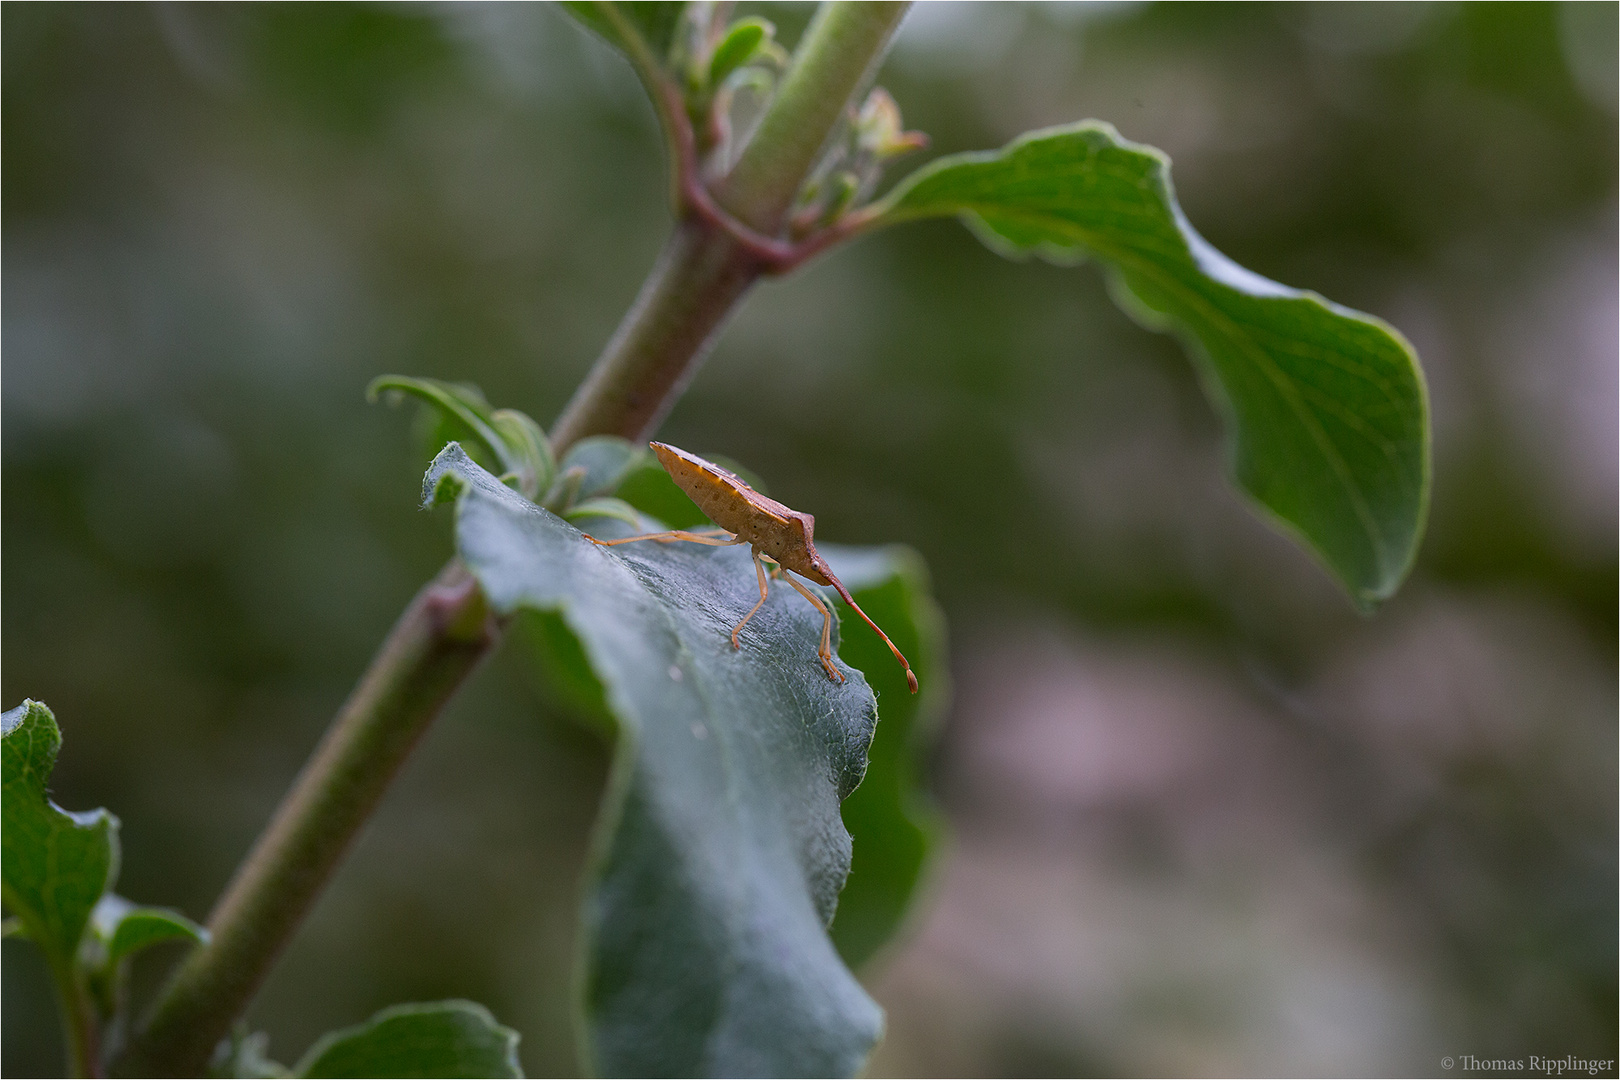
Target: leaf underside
{"type": "Point", "coordinates": [1327, 414]}
{"type": "Point", "coordinates": [720, 850]}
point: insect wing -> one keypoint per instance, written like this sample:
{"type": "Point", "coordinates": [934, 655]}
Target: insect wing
{"type": "Point", "coordinates": [720, 493]}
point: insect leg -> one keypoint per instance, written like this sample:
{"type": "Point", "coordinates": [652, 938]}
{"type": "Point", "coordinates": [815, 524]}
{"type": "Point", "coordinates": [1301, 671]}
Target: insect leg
{"type": "Point", "coordinates": [672, 535]}
{"type": "Point", "coordinates": [825, 652]}
{"type": "Point", "coordinates": [759, 567]}
{"type": "Point", "coordinates": [911, 678]}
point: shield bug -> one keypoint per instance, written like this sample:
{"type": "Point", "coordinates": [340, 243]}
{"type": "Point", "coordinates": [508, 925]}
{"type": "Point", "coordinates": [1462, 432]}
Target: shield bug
{"type": "Point", "coordinates": [775, 532]}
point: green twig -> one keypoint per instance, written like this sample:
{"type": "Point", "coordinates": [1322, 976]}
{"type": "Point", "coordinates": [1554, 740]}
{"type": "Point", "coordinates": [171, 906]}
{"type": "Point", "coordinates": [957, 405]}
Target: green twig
{"type": "Point", "coordinates": [79, 1021]}
{"type": "Point", "coordinates": [707, 267]}
{"type": "Point", "coordinates": [699, 279]}
{"type": "Point", "coordinates": [435, 644]}
{"type": "Point", "coordinates": [840, 53]}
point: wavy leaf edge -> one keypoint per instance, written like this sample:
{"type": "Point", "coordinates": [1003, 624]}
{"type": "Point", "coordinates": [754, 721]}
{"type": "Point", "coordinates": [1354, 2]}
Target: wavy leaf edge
{"type": "Point", "coordinates": [684, 968]}
{"type": "Point", "coordinates": [1393, 556]}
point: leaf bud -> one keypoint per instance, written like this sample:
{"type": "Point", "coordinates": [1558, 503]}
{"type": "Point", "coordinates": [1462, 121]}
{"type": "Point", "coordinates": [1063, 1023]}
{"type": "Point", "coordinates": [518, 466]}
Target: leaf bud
{"type": "Point", "coordinates": [879, 131]}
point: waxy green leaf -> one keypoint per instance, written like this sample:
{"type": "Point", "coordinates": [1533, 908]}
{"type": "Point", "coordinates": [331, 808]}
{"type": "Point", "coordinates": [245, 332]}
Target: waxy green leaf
{"type": "Point", "coordinates": [446, 1038]}
{"type": "Point", "coordinates": [54, 865]}
{"type": "Point", "coordinates": [1327, 413]}
{"type": "Point", "coordinates": [720, 851]}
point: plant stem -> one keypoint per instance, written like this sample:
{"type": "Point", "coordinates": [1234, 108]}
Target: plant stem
{"type": "Point", "coordinates": [839, 54]}
{"type": "Point", "coordinates": [704, 272]}
{"type": "Point", "coordinates": [433, 647]}
{"type": "Point", "coordinates": [79, 1021]}
{"type": "Point", "coordinates": [702, 275]}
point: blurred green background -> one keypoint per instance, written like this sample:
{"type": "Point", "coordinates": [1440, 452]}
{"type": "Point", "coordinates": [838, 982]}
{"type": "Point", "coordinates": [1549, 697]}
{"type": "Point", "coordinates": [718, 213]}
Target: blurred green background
{"type": "Point", "coordinates": [1205, 819]}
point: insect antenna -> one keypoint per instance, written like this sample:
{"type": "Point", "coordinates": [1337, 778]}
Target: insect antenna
{"type": "Point", "coordinates": [911, 679]}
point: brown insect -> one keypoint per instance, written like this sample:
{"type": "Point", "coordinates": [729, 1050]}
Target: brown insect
{"type": "Point", "coordinates": [774, 531]}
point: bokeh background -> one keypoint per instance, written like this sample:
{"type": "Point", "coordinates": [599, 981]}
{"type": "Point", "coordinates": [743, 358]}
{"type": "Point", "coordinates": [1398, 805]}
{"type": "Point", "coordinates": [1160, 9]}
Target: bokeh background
{"type": "Point", "coordinates": [1204, 818]}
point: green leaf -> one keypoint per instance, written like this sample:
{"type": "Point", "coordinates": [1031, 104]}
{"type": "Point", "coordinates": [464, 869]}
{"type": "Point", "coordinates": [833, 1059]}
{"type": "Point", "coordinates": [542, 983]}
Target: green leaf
{"type": "Point", "coordinates": [742, 41]}
{"type": "Point", "coordinates": [720, 852]}
{"type": "Point", "coordinates": [1326, 408]}
{"type": "Point", "coordinates": [617, 509]}
{"type": "Point", "coordinates": [119, 929]}
{"type": "Point", "coordinates": [462, 402]}
{"type": "Point", "coordinates": [606, 461]}
{"type": "Point", "coordinates": [442, 487]}
{"type": "Point", "coordinates": [54, 865]}
{"type": "Point", "coordinates": [446, 1038]}
{"type": "Point", "coordinates": [565, 671]}
{"type": "Point", "coordinates": [512, 438]}
{"type": "Point", "coordinates": [894, 825]}
{"type": "Point", "coordinates": [123, 928]}
{"type": "Point", "coordinates": [531, 457]}
{"type": "Point", "coordinates": [654, 21]}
